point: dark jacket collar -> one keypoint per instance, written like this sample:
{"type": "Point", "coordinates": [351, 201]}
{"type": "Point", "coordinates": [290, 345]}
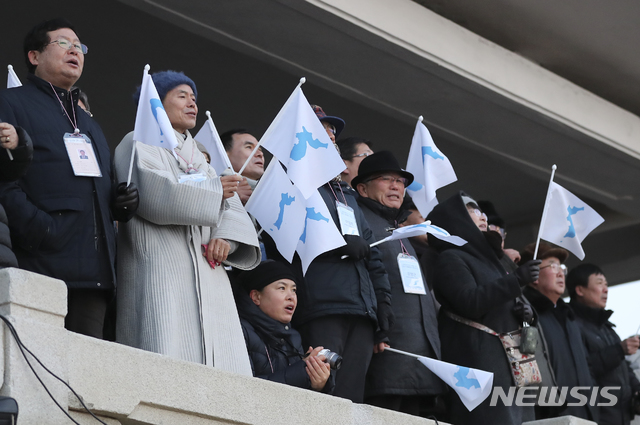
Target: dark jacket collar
{"type": "Point", "coordinates": [598, 316]}
{"type": "Point", "coordinates": [46, 86]}
{"type": "Point", "coordinates": [541, 303]}
{"type": "Point", "coordinates": [392, 215]}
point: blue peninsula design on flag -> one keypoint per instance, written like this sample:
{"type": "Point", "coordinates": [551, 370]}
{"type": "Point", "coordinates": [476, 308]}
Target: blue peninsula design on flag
{"type": "Point", "coordinates": [428, 150]}
{"type": "Point", "coordinates": [284, 201]}
{"type": "Point", "coordinates": [311, 215]}
{"type": "Point", "coordinates": [155, 104]}
{"type": "Point", "coordinates": [299, 149]}
{"type": "Point", "coordinates": [572, 211]}
{"type": "Point", "coordinates": [463, 381]}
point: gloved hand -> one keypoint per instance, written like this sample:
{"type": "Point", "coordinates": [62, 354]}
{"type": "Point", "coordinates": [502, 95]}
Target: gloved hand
{"type": "Point", "coordinates": [386, 317]}
{"type": "Point", "coordinates": [528, 272]}
{"type": "Point", "coordinates": [523, 312]}
{"type": "Point", "coordinates": [635, 403]}
{"type": "Point", "coordinates": [356, 248]}
{"type": "Point", "coordinates": [127, 198]}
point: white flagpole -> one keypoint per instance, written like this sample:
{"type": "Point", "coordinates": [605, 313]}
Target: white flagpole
{"type": "Point", "coordinates": [544, 211]}
{"type": "Point", "coordinates": [133, 149]}
{"type": "Point", "coordinates": [402, 352]}
{"type": "Point", "coordinates": [302, 81]}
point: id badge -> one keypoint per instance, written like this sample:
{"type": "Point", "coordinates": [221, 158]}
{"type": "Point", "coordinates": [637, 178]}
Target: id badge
{"type": "Point", "coordinates": [81, 155]}
{"type": "Point", "coordinates": [347, 219]}
{"type": "Point", "coordinates": [411, 276]}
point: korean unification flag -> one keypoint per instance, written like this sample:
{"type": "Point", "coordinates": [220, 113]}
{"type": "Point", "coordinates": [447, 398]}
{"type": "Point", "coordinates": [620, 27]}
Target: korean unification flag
{"type": "Point", "coordinates": [568, 220]}
{"type": "Point", "coordinates": [473, 386]}
{"type": "Point", "coordinates": [430, 168]}
{"type": "Point", "coordinates": [152, 123]}
{"type": "Point", "coordinates": [280, 209]}
{"type": "Point", "coordinates": [297, 138]}
{"type": "Point", "coordinates": [320, 233]}
{"type": "Point", "coordinates": [208, 136]}
{"type": "Point", "coordinates": [12, 78]}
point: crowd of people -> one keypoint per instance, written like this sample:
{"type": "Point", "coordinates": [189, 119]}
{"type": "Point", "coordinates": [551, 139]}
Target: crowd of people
{"type": "Point", "coordinates": [168, 260]}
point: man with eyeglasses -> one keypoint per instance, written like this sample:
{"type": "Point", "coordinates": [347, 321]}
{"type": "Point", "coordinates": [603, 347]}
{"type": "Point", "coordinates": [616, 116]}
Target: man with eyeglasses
{"type": "Point", "coordinates": [589, 291]}
{"type": "Point", "coordinates": [62, 211]}
{"type": "Point", "coordinates": [566, 353]}
{"type": "Point", "coordinates": [393, 381]}
{"type": "Point", "coordinates": [353, 150]}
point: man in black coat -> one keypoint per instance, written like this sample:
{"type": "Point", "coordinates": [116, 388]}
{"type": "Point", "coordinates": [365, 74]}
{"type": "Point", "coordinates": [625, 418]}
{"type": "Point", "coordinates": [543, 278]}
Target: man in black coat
{"type": "Point", "coordinates": [588, 289]}
{"type": "Point", "coordinates": [566, 353]}
{"type": "Point", "coordinates": [395, 381]}
{"type": "Point", "coordinates": [61, 218]}
{"type": "Point", "coordinates": [16, 152]}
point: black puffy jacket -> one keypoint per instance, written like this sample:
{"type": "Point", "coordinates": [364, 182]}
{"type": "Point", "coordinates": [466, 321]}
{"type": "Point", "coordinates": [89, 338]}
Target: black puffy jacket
{"type": "Point", "coordinates": [607, 362]}
{"type": "Point", "coordinates": [275, 349]}
{"type": "Point", "coordinates": [61, 225]}
{"type": "Point", "coordinates": [11, 170]}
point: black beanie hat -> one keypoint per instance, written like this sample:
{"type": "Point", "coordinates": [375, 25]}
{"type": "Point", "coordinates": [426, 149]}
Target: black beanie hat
{"type": "Point", "coordinates": [265, 274]}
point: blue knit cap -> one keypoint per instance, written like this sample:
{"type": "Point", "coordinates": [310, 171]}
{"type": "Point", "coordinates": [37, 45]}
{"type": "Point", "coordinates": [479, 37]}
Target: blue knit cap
{"type": "Point", "coordinates": [165, 81]}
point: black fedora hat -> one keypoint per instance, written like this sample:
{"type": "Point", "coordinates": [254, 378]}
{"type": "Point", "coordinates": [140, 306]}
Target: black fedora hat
{"type": "Point", "coordinates": [379, 162]}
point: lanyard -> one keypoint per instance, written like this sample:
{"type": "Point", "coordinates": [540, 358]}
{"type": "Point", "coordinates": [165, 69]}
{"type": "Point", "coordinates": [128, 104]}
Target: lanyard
{"type": "Point", "coordinates": [336, 196]}
{"type": "Point", "coordinates": [74, 123]}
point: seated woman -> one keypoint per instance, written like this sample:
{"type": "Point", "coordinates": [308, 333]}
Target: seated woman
{"type": "Point", "coordinates": [174, 297]}
{"type": "Point", "coordinates": [266, 302]}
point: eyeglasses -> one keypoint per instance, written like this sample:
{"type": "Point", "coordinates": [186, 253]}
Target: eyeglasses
{"type": "Point", "coordinates": [363, 154]}
{"type": "Point", "coordinates": [498, 229]}
{"type": "Point", "coordinates": [390, 179]}
{"type": "Point", "coordinates": [67, 45]}
{"type": "Point", "coordinates": [329, 127]}
{"type": "Point", "coordinates": [478, 213]}
{"type": "Point", "coordinates": [556, 268]}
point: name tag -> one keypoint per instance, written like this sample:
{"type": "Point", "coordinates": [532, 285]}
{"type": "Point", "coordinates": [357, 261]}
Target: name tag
{"type": "Point", "coordinates": [81, 155]}
{"type": "Point", "coordinates": [347, 219]}
{"type": "Point", "coordinates": [411, 275]}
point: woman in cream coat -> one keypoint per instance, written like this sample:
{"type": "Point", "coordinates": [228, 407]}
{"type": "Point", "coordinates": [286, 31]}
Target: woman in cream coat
{"type": "Point", "coordinates": [174, 297]}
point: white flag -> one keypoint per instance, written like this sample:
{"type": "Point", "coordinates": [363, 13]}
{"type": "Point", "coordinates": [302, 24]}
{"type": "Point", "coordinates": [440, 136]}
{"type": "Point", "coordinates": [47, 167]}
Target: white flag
{"type": "Point", "coordinates": [12, 78]}
{"type": "Point", "coordinates": [421, 229]}
{"type": "Point", "coordinates": [297, 138]}
{"type": "Point", "coordinates": [473, 386]}
{"type": "Point", "coordinates": [152, 123]}
{"type": "Point", "coordinates": [568, 220]}
{"type": "Point", "coordinates": [430, 168]}
{"type": "Point", "coordinates": [320, 233]}
{"type": "Point", "coordinates": [280, 209]}
{"type": "Point", "coordinates": [208, 136]}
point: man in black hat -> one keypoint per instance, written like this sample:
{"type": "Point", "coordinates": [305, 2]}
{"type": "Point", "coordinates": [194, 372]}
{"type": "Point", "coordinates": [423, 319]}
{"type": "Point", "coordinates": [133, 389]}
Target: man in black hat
{"type": "Point", "coordinates": [393, 381]}
{"type": "Point", "coordinates": [589, 290]}
{"type": "Point", "coordinates": [567, 355]}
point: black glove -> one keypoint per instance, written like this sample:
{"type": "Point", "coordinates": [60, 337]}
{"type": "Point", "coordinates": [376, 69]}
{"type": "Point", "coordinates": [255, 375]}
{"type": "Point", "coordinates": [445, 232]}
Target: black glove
{"type": "Point", "coordinates": [528, 272]}
{"type": "Point", "coordinates": [386, 317]}
{"type": "Point", "coordinates": [126, 202]}
{"type": "Point", "coordinates": [635, 403]}
{"type": "Point", "coordinates": [356, 248]}
{"type": "Point", "coordinates": [523, 312]}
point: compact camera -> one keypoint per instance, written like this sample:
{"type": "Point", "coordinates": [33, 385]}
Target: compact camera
{"type": "Point", "coordinates": [333, 359]}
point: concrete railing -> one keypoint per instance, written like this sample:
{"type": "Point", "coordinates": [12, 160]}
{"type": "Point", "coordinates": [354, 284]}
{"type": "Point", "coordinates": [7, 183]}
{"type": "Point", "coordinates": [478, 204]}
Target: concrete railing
{"type": "Point", "coordinates": [127, 386]}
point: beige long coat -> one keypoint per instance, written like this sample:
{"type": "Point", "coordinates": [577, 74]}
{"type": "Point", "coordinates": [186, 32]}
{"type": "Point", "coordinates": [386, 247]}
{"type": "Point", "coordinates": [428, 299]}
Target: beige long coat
{"type": "Point", "coordinates": [170, 300]}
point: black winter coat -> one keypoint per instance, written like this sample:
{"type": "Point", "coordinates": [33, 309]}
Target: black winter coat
{"type": "Point", "coordinates": [275, 349]}
{"type": "Point", "coordinates": [567, 355]}
{"type": "Point", "coordinates": [416, 325]}
{"type": "Point", "coordinates": [333, 286]}
{"type": "Point", "coordinates": [11, 170]}
{"type": "Point", "coordinates": [606, 360]}
{"type": "Point", "coordinates": [471, 282]}
{"type": "Point", "coordinates": [61, 225]}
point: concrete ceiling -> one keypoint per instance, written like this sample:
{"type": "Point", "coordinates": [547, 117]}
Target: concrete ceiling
{"type": "Point", "coordinates": [592, 43]}
{"type": "Point", "coordinates": [246, 56]}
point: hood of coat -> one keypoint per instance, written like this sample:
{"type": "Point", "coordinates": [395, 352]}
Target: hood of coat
{"type": "Point", "coordinates": [452, 215]}
{"type": "Point", "coordinates": [271, 330]}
